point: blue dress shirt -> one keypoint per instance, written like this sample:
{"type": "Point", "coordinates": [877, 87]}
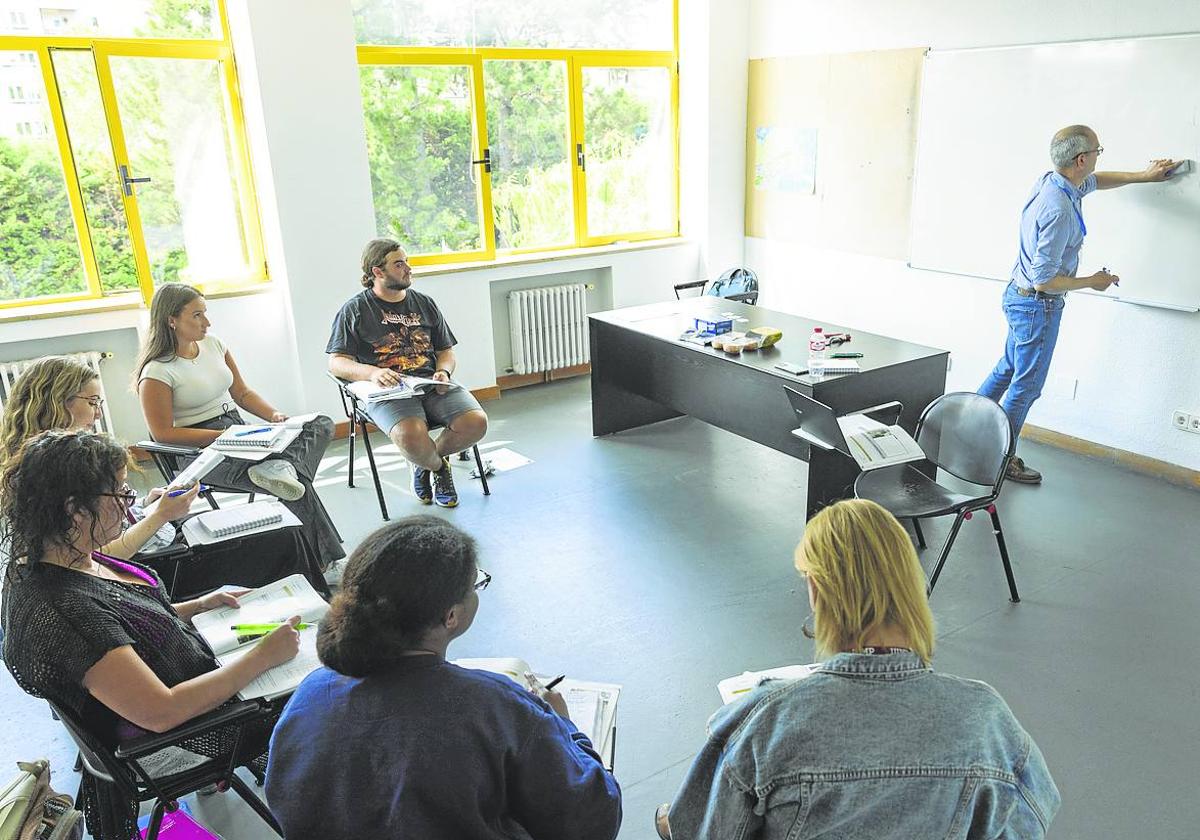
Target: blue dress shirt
{"type": "Point", "coordinates": [1052, 230]}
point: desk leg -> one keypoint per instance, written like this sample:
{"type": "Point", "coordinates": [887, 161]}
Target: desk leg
{"type": "Point", "coordinates": [615, 409]}
{"type": "Point", "coordinates": [830, 478]}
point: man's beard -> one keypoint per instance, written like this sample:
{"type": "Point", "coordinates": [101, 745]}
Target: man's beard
{"type": "Point", "coordinates": [396, 285]}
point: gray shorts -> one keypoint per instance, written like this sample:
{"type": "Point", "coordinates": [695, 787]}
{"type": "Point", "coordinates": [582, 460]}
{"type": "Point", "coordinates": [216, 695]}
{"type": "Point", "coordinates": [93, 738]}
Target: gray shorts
{"type": "Point", "coordinates": [436, 409]}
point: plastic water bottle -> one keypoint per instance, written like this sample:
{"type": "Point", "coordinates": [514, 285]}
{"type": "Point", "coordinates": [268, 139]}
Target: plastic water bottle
{"type": "Point", "coordinates": [817, 345]}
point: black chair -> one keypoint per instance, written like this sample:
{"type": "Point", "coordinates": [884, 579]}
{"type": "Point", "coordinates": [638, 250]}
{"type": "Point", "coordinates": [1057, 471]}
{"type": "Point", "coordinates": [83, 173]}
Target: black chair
{"type": "Point", "coordinates": [166, 459]}
{"type": "Point", "coordinates": [735, 278]}
{"type": "Point", "coordinates": [356, 413]}
{"type": "Point", "coordinates": [969, 437]}
{"type": "Point", "coordinates": [122, 767]}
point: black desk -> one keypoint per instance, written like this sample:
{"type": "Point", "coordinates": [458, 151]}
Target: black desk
{"type": "Point", "coordinates": [642, 373]}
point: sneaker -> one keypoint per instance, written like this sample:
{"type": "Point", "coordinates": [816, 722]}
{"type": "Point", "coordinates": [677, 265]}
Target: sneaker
{"type": "Point", "coordinates": [1018, 472]}
{"type": "Point", "coordinates": [443, 486]}
{"type": "Point", "coordinates": [422, 486]}
{"type": "Point", "coordinates": [278, 478]}
{"type": "Point", "coordinates": [333, 572]}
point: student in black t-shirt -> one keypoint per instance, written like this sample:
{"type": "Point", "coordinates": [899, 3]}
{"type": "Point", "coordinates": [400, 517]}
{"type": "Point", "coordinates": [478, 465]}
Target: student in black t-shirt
{"type": "Point", "coordinates": [388, 330]}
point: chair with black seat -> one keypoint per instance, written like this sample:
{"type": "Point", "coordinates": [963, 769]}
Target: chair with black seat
{"type": "Point", "coordinates": [968, 436]}
{"type": "Point", "coordinates": [740, 284]}
{"type": "Point", "coordinates": [166, 457]}
{"type": "Point", "coordinates": [123, 767]}
{"type": "Point", "coordinates": [356, 413]}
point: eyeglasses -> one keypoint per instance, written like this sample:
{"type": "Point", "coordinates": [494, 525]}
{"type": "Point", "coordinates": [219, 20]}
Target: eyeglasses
{"type": "Point", "coordinates": [94, 402]}
{"type": "Point", "coordinates": [1099, 150]}
{"type": "Point", "coordinates": [127, 496]}
{"type": "Point", "coordinates": [482, 579]}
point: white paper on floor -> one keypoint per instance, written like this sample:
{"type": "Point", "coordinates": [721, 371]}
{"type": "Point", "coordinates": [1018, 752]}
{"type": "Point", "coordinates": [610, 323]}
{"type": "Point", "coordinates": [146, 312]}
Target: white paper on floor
{"type": "Point", "coordinates": [503, 460]}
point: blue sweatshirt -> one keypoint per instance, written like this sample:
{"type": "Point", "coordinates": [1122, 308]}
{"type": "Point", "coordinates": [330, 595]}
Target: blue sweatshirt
{"type": "Point", "coordinates": [429, 750]}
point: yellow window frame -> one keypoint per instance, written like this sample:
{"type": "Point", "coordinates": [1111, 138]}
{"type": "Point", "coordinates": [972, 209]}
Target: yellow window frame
{"type": "Point", "coordinates": [576, 60]}
{"type": "Point", "coordinates": [102, 50]}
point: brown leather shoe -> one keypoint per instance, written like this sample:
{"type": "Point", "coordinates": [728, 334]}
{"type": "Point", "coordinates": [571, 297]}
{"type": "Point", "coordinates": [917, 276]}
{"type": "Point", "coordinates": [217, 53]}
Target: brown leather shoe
{"type": "Point", "coordinates": [1018, 472]}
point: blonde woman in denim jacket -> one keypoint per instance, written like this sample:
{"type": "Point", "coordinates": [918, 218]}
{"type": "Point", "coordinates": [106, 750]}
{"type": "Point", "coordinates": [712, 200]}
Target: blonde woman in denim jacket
{"type": "Point", "coordinates": [875, 744]}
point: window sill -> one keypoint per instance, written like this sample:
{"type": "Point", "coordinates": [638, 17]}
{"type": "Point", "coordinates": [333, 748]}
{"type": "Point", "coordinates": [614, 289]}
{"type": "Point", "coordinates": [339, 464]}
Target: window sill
{"type": "Point", "coordinates": [548, 256]}
{"type": "Point", "coordinates": [112, 303]}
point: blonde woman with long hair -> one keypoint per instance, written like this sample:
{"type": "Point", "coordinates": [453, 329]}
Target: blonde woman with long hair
{"type": "Point", "coordinates": [874, 744]}
{"type": "Point", "coordinates": [191, 390]}
{"type": "Point", "coordinates": [58, 392]}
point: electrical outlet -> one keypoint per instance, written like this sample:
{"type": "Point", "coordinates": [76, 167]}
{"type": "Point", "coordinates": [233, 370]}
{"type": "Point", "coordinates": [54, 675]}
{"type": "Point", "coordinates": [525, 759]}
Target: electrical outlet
{"type": "Point", "coordinates": [1194, 424]}
{"type": "Point", "coordinates": [1181, 420]}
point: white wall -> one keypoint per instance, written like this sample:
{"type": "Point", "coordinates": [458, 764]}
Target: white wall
{"type": "Point", "coordinates": [962, 314]}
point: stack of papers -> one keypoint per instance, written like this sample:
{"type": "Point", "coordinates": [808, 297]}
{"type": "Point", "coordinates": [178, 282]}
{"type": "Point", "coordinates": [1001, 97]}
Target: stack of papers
{"type": "Point", "coordinates": [592, 706]}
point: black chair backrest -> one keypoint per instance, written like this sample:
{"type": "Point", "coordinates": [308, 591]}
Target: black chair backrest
{"type": "Point", "coordinates": [967, 435]}
{"type": "Point", "coordinates": [97, 759]}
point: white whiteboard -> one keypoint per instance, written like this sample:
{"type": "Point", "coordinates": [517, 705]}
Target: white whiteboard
{"type": "Point", "coordinates": [987, 117]}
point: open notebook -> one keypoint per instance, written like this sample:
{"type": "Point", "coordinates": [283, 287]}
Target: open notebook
{"type": "Point", "coordinates": [734, 688]}
{"type": "Point", "coordinates": [592, 706]}
{"type": "Point", "coordinates": [278, 601]}
{"type": "Point", "coordinates": [410, 386]}
{"type": "Point", "coordinates": [255, 441]}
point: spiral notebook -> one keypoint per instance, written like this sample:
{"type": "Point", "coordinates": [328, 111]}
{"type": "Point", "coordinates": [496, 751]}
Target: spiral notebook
{"type": "Point", "coordinates": [235, 520]}
{"type": "Point", "coordinates": [250, 437]}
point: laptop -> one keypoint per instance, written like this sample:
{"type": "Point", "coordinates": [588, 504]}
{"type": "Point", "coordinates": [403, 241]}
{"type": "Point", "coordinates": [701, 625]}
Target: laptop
{"type": "Point", "coordinates": [869, 442]}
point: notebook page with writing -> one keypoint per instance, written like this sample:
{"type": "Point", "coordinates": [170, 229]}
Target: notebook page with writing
{"type": "Point", "coordinates": [282, 679]}
{"type": "Point", "coordinates": [275, 602]}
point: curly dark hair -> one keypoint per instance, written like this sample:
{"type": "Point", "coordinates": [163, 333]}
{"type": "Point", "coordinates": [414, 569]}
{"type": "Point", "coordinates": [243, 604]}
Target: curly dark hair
{"type": "Point", "coordinates": [398, 583]}
{"type": "Point", "coordinates": [52, 472]}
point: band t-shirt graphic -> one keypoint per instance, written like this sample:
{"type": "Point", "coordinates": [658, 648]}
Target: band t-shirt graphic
{"type": "Point", "coordinates": [404, 336]}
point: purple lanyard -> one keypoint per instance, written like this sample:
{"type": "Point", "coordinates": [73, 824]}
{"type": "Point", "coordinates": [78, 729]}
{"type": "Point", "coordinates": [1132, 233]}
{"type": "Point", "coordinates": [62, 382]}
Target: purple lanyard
{"type": "Point", "coordinates": [120, 565]}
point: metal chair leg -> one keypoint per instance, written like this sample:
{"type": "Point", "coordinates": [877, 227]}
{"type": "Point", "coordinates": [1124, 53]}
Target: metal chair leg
{"type": "Point", "coordinates": [482, 472]}
{"type": "Point", "coordinates": [374, 473]}
{"type": "Point", "coordinates": [937, 570]}
{"type": "Point", "coordinates": [350, 465]}
{"type": "Point", "coordinates": [920, 536]}
{"type": "Point", "coordinates": [243, 790]}
{"type": "Point", "coordinates": [1008, 572]}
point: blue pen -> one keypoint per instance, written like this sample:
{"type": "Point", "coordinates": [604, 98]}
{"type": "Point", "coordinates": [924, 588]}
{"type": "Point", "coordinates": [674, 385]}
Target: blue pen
{"type": "Point", "coordinates": [183, 490]}
{"type": "Point", "coordinates": [252, 431]}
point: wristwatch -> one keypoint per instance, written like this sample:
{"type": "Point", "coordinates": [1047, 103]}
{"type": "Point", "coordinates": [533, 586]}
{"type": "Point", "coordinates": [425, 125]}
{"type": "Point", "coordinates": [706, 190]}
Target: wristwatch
{"type": "Point", "coordinates": [442, 370]}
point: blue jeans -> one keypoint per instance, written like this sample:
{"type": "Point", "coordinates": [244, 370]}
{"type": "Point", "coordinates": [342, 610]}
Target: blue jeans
{"type": "Point", "coordinates": [1032, 334]}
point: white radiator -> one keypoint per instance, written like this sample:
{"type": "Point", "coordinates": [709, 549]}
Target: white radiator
{"type": "Point", "coordinates": [10, 372]}
{"type": "Point", "coordinates": [549, 328]}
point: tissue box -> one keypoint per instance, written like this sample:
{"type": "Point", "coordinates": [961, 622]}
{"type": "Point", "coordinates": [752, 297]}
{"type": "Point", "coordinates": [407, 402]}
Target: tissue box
{"type": "Point", "coordinates": [714, 326]}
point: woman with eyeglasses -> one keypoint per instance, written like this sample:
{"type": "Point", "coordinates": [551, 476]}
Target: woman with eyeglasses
{"type": "Point", "coordinates": [389, 739]}
{"type": "Point", "coordinates": [875, 744]}
{"type": "Point", "coordinates": [58, 392]}
{"type": "Point", "coordinates": [191, 390]}
{"type": "Point", "coordinates": [96, 634]}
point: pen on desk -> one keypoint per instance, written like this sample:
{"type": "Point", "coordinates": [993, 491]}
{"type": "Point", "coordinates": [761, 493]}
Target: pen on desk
{"type": "Point", "coordinates": [182, 490]}
{"type": "Point", "coordinates": [550, 685]}
{"type": "Point", "coordinates": [259, 430]}
{"type": "Point", "coordinates": [846, 355]}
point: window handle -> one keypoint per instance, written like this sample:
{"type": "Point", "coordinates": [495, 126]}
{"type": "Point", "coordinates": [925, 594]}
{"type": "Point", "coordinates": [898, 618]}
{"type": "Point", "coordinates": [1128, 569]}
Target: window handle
{"type": "Point", "coordinates": [580, 157]}
{"type": "Point", "coordinates": [128, 182]}
{"type": "Point", "coordinates": [486, 160]}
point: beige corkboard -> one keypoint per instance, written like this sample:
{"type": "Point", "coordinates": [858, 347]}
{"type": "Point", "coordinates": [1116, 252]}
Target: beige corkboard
{"type": "Point", "coordinates": [830, 148]}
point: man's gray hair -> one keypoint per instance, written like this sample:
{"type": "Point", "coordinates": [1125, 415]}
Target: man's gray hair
{"type": "Point", "coordinates": [1069, 143]}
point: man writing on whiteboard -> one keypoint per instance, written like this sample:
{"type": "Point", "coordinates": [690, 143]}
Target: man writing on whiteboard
{"type": "Point", "coordinates": [1052, 232]}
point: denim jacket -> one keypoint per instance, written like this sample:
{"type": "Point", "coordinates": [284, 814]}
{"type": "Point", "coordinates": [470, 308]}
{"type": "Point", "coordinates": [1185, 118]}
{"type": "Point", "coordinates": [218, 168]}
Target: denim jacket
{"type": "Point", "coordinates": [869, 746]}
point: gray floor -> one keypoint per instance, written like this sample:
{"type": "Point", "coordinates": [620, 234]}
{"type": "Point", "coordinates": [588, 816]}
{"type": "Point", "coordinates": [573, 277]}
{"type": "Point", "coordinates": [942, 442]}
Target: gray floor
{"type": "Point", "coordinates": [661, 559]}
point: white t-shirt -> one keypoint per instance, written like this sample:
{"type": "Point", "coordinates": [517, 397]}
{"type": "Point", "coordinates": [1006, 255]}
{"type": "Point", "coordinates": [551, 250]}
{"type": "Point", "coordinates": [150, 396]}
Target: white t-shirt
{"type": "Point", "coordinates": [199, 386]}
